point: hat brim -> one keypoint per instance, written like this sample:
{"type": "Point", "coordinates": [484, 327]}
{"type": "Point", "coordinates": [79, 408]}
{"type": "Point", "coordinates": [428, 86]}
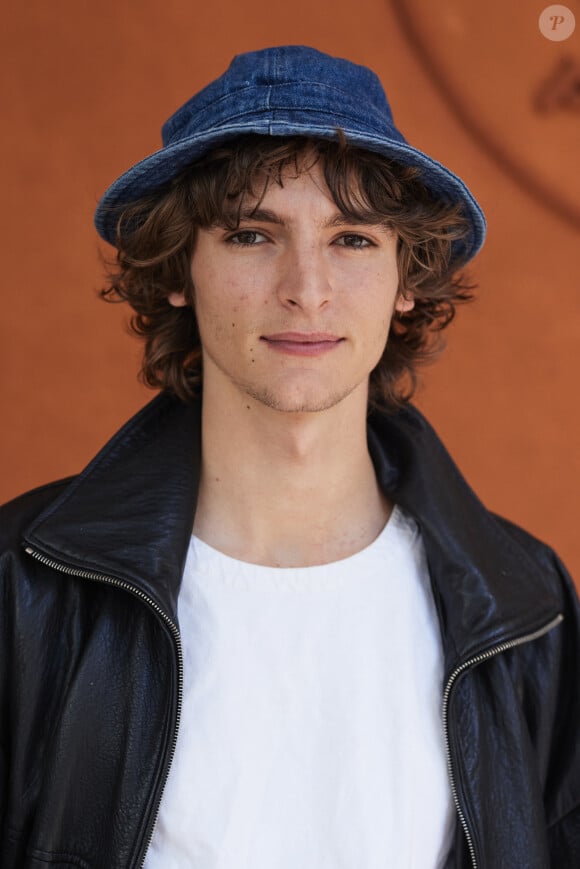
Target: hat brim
{"type": "Point", "coordinates": [161, 167]}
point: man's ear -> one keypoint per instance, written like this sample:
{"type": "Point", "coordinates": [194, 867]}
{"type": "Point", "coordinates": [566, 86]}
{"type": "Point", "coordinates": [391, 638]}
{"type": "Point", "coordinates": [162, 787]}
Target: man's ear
{"type": "Point", "coordinates": [178, 300]}
{"type": "Point", "coordinates": [404, 304]}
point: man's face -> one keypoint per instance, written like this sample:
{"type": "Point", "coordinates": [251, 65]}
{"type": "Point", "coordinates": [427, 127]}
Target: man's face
{"type": "Point", "coordinates": [294, 306]}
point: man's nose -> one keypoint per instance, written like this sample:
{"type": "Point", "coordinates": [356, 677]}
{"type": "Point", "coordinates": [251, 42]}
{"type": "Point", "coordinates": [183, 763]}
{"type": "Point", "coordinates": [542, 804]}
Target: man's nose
{"type": "Point", "coordinates": [305, 280]}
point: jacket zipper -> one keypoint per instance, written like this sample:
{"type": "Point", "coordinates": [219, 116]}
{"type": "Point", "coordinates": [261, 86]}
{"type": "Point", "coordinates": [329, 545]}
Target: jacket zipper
{"type": "Point", "coordinates": [118, 583]}
{"type": "Point", "coordinates": [472, 662]}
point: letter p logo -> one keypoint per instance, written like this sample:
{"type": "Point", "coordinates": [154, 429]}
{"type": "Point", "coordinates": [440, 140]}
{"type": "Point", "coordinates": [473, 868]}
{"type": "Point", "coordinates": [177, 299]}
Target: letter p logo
{"type": "Point", "coordinates": [557, 23]}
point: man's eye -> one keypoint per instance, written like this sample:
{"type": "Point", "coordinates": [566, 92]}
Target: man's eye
{"type": "Point", "coordinates": [352, 239]}
{"type": "Point", "coordinates": [246, 238]}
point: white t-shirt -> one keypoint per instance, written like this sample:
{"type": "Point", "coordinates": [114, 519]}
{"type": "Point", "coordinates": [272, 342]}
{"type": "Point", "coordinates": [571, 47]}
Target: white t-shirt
{"type": "Point", "coordinates": [311, 734]}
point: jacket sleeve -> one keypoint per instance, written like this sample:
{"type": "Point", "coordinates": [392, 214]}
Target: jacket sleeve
{"type": "Point", "coordinates": [564, 828]}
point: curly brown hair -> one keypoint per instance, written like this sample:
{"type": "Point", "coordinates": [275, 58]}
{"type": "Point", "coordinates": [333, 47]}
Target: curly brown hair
{"type": "Point", "coordinates": [156, 237]}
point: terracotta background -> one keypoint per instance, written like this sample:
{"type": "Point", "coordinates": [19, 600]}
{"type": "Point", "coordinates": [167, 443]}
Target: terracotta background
{"type": "Point", "coordinates": [85, 87]}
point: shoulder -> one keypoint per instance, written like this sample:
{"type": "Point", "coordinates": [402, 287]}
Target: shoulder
{"type": "Point", "coordinates": [547, 560]}
{"type": "Point", "coordinates": [536, 548]}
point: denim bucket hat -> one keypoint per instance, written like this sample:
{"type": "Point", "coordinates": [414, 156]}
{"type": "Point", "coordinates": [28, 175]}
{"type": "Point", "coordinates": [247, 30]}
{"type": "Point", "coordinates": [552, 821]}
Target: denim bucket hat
{"type": "Point", "coordinates": [286, 91]}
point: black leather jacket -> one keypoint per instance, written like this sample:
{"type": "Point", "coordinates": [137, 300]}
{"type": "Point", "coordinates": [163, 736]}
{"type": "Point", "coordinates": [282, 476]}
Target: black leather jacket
{"type": "Point", "coordinates": [90, 662]}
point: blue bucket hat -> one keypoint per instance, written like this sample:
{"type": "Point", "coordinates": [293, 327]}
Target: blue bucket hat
{"type": "Point", "coordinates": [286, 91]}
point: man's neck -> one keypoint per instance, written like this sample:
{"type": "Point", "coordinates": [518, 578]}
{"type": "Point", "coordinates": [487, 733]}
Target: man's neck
{"type": "Point", "coordinates": [287, 489]}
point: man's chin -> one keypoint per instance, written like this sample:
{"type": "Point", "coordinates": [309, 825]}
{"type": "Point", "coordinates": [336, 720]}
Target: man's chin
{"type": "Point", "coordinates": [301, 403]}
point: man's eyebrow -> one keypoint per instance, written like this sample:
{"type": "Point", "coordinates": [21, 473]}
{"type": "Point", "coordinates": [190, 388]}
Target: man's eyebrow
{"type": "Point", "coordinates": [264, 215]}
{"type": "Point", "coordinates": [341, 219]}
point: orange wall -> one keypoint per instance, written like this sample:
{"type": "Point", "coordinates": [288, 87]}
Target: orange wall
{"type": "Point", "coordinates": [85, 87]}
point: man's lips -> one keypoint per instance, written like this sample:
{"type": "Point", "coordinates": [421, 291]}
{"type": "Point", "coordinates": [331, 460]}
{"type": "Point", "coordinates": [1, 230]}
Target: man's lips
{"type": "Point", "coordinates": [302, 343]}
{"type": "Point", "coordinates": [302, 337]}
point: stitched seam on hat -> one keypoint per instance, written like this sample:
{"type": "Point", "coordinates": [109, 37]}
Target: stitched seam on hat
{"type": "Point", "coordinates": [268, 95]}
{"type": "Point", "coordinates": [320, 84]}
{"type": "Point", "coordinates": [173, 128]}
{"type": "Point", "coordinates": [235, 121]}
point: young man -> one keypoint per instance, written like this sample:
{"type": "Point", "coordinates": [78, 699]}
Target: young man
{"type": "Point", "coordinates": [349, 662]}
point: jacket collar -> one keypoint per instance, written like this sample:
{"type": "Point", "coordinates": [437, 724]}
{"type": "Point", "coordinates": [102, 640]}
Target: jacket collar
{"type": "Point", "coordinates": [129, 515]}
{"type": "Point", "coordinates": [487, 587]}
